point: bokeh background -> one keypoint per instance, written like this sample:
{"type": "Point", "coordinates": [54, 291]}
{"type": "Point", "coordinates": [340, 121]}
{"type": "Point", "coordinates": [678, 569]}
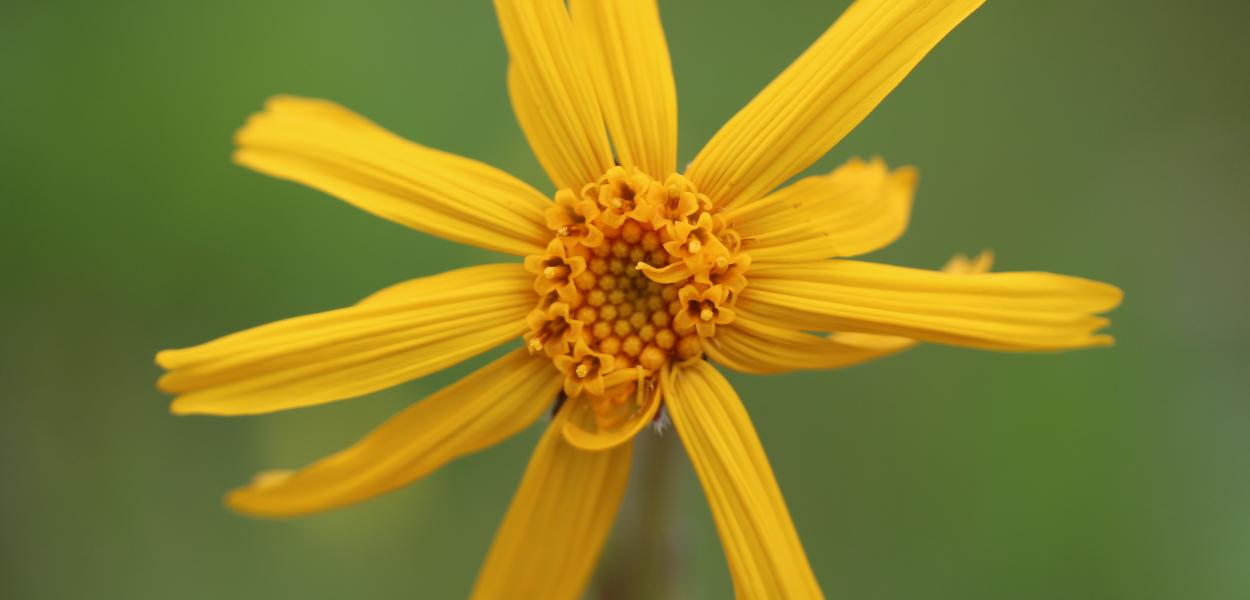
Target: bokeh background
{"type": "Point", "coordinates": [1106, 139]}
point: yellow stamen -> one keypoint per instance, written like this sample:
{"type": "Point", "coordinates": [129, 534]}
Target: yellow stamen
{"type": "Point", "coordinates": [582, 370]}
{"type": "Point", "coordinates": [695, 246]}
{"type": "Point", "coordinates": [706, 314]}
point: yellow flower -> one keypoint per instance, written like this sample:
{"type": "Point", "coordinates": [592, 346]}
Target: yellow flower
{"type": "Point", "coordinates": [634, 276]}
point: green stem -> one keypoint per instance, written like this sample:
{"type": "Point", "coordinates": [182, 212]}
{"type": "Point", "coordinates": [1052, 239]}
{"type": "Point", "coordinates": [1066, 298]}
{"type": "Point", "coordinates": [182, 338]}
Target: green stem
{"type": "Point", "coordinates": [642, 562]}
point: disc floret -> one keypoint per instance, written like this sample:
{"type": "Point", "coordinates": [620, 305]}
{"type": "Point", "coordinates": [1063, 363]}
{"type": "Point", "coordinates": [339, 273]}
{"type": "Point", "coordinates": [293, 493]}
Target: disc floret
{"type": "Point", "coordinates": [638, 274]}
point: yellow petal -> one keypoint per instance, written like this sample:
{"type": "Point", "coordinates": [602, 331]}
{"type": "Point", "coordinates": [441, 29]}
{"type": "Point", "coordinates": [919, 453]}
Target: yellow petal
{"type": "Point", "coordinates": [552, 153]}
{"type": "Point", "coordinates": [753, 347]}
{"type": "Point", "coordinates": [629, 62]}
{"type": "Point", "coordinates": [476, 412]}
{"type": "Point", "coordinates": [560, 516]}
{"type": "Point", "coordinates": [552, 92]}
{"type": "Point", "coordinates": [582, 430]}
{"type": "Point", "coordinates": [822, 96]}
{"type": "Point", "coordinates": [859, 207]}
{"type": "Point", "coordinates": [396, 335]}
{"type": "Point", "coordinates": [766, 559]}
{"type": "Point", "coordinates": [325, 146]}
{"type": "Point", "coordinates": [1000, 311]}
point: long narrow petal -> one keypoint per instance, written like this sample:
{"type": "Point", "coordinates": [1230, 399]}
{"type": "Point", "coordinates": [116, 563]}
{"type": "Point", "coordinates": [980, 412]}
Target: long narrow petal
{"type": "Point", "coordinates": [560, 516]}
{"type": "Point", "coordinates": [325, 146]}
{"type": "Point", "coordinates": [766, 559]}
{"type": "Point", "coordinates": [859, 207]}
{"type": "Point", "coordinates": [630, 65]}
{"type": "Point", "coordinates": [822, 96]}
{"type": "Point", "coordinates": [484, 408]}
{"type": "Point", "coordinates": [1000, 311]}
{"type": "Point", "coordinates": [552, 92]}
{"type": "Point", "coordinates": [753, 347]}
{"type": "Point", "coordinates": [396, 335]}
{"type": "Point", "coordinates": [557, 159]}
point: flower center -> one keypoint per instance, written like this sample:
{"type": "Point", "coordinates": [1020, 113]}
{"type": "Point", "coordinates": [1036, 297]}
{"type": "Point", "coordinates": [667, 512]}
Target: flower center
{"type": "Point", "coordinates": [637, 275]}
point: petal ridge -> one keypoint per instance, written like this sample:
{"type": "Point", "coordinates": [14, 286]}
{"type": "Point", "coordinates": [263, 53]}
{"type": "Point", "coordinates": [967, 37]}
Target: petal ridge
{"type": "Point", "coordinates": [478, 411]}
{"type": "Point", "coordinates": [822, 95]}
{"type": "Point", "coordinates": [327, 147]}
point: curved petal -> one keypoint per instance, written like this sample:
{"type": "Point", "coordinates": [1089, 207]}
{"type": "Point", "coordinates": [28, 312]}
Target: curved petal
{"type": "Point", "coordinates": [325, 146]}
{"type": "Point", "coordinates": [396, 335]}
{"type": "Point", "coordinates": [753, 347]}
{"type": "Point", "coordinates": [998, 311]}
{"type": "Point", "coordinates": [629, 61]}
{"type": "Point", "coordinates": [859, 207]}
{"type": "Point", "coordinates": [484, 408]}
{"type": "Point", "coordinates": [822, 96]}
{"type": "Point", "coordinates": [551, 91]}
{"type": "Point", "coordinates": [561, 514]}
{"type": "Point", "coordinates": [583, 431]}
{"type": "Point", "coordinates": [766, 559]}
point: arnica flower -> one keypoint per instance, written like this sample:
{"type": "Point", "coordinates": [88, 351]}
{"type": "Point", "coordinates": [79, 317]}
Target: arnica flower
{"type": "Point", "coordinates": [635, 277]}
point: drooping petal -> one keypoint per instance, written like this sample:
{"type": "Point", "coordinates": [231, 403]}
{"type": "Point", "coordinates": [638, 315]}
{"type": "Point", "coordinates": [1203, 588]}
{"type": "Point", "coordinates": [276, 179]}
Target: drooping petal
{"type": "Point", "coordinates": [766, 559]}
{"type": "Point", "coordinates": [394, 336]}
{"type": "Point", "coordinates": [753, 347]}
{"type": "Point", "coordinates": [859, 207]}
{"type": "Point", "coordinates": [1025, 311]}
{"type": "Point", "coordinates": [325, 146]}
{"type": "Point", "coordinates": [552, 92]}
{"type": "Point", "coordinates": [484, 408]}
{"type": "Point", "coordinates": [822, 96]}
{"type": "Point", "coordinates": [561, 514]}
{"type": "Point", "coordinates": [630, 65]}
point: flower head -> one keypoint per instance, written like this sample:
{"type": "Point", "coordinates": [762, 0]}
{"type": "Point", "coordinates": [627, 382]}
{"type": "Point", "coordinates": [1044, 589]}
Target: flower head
{"type": "Point", "coordinates": [634, 276]}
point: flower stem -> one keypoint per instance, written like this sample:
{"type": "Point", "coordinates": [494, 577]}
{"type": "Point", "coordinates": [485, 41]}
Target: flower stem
{"type": "Point", "coordinates": [643, 560]}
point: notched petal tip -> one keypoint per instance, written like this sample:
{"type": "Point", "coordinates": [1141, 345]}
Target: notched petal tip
{"type": "Point", "coordinates": [961, 264]}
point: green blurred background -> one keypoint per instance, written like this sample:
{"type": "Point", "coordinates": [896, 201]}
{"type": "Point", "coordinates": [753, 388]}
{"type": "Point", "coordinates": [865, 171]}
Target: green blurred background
{"type": "Point", "coordinates": [1106, 139]}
